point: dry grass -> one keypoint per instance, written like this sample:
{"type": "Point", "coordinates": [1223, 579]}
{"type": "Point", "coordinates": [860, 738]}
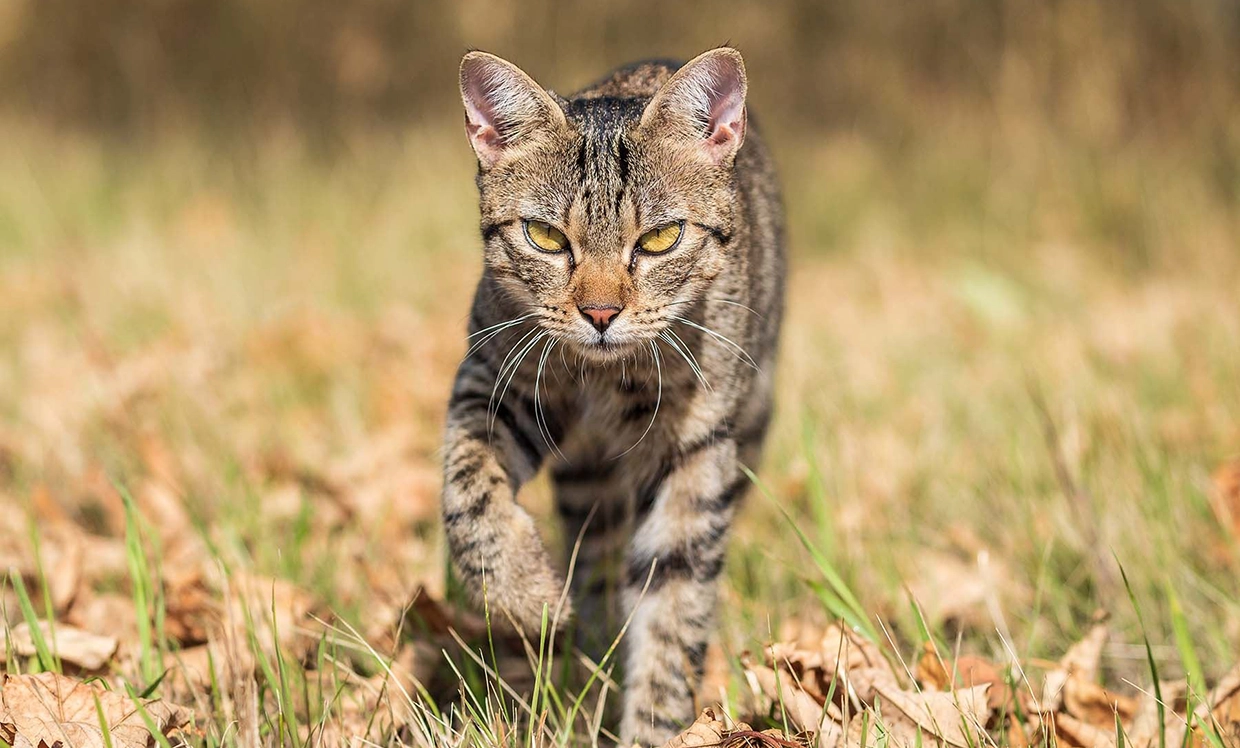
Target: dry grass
{"type": "Point", "coordinates": [1008, 371]}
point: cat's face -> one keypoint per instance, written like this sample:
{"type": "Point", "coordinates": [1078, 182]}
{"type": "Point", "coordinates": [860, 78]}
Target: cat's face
{"type": "Point", "coordinates": [606, 217]}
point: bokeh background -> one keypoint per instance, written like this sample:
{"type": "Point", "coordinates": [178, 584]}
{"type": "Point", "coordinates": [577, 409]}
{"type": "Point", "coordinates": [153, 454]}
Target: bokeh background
{"type": "Point", "coordinates": [238, 241]}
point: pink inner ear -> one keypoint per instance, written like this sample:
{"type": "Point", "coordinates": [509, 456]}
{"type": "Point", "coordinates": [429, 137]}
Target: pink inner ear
{"type": "Point", "coordinates": [726, 107]}
{"type": "Point", "coordinates": [727, 121]}
{"type": "Point", "coordinates": [480, 114]}
{"type": "Point", "coordinates": [479, 127]}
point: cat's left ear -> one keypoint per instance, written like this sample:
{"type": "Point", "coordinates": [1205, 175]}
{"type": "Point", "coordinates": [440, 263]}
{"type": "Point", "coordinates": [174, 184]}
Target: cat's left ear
{"type": "Point", "coordinates": [705, 102]}
{"type": "Point", "coordinates": [504, 107]}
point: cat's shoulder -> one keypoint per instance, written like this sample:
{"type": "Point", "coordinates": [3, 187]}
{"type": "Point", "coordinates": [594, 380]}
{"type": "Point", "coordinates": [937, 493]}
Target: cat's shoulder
{"type": "Point", "coordinates": [635, 80]}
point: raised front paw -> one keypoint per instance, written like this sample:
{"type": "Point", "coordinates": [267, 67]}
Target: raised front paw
{"type": "Point", "coordinates": [507, 567]}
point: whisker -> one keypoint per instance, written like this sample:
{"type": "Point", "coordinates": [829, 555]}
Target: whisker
{"type": "Point", "coordinates": [693, 359]}
{"type": "Point", "coordinates": [749, 309]}
{"type": "Point", "coordinates": [670, 338]}
{"type": "Point", "coordinates": [512, 369]}
{"type": "Point", "coordinates": [543, 427]}
{"type": "Point", "coordinates": [654, 352]}
{"type": "Point", "coordinates": [743, 354]}
{"type": "Point", "coordinates": [491, 336]}
{"type": "Point", "coordinates": [503, 367]}
{"type": "Point", "coordinates": [505, 323]}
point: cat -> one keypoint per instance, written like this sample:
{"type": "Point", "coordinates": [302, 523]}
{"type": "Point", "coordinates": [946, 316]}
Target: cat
{"type": "Point", "coordinates": [624, 331]}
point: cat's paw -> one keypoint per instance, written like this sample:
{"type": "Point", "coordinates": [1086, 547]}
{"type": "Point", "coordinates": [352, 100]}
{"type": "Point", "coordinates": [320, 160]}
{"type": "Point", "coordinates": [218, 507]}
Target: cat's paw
{"type": "Point", "coordinates": [522, 580]}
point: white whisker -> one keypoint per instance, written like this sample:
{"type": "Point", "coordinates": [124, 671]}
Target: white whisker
{"type": "Point", "coordinates": [495, 330]}
{"type": "Point", "coordinates": [749, 309]}
{"type": "Point", "coordinates": [654, 352]}
{"type": "Point", "coordinates": [740, 353]}
{"type": "Point", "coordinates": [684, 354]}
{"type": "Point", "coordinates": [543, 427]}
{"type": "Point", "coordinates": [516, 364]}
{"type": "Point", "coordinates": [497, 325]}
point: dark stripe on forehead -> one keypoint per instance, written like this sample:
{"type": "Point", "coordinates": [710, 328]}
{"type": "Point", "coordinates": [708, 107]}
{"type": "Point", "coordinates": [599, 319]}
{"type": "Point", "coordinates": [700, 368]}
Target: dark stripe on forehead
{"type": "Point", "coordinates": [603, 158]}
{"type": "Point", "coordinates": [622, 161]}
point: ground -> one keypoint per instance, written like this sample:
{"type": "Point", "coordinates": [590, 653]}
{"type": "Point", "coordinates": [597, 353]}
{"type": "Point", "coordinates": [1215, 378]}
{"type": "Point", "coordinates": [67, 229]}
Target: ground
{"type": "Point", "coordinates": [1009, 405]}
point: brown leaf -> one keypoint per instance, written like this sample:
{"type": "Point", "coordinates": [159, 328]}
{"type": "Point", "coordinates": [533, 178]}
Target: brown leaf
{"type": "Point", "coordinates": [953, 718]}
{"type": "Point", "coordinates": [1221, 710]}
{"type": "Point", "coordinates": [204, 603]}
{"type": "Point", "coordinates": [64, 579]}
{"type": "Point", "coordinates": [707, 730]}
{"type": "Point", "coordinates": [106, 614]}
{"type": "Point", "coordinates": [968, 671]}
{"type": "Point", "coordinates": [1076, 733]}
{"type": "Point", "coordinates": [51, 709]}
{"type": "Point", "coordinates": [904, 720]}
{"type": "Point", "coordinates": [1144, 732]}
{"type": "Point", "coordinates": [1096, 705]}
{"type": "Point", "coordinates": [803, 710]}
{"type": "Point", "coordinates": [840, 653]}
{"type": "Point", "coordinates": [1225, 498]}
{"type": "Point", "coordinates": [710, 731]}
{"type": "Point", "coordinates": [948, 587]}
{"type": "Point", "coordinates": [1082, 661]}
{"type": "Point", "coordinates": [1073, 686]}
{"type": "Point", "coordinates": [75, 646]}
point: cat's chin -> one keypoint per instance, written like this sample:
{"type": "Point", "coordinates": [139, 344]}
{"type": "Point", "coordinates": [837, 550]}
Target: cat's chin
{"type": "Point", "coordinates": [607, 351]}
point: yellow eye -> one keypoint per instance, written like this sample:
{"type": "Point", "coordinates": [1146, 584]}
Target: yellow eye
{"type": "Point", "coordinates": [660, 239]}
{"type": "Point", "coordinates": [545, 237]}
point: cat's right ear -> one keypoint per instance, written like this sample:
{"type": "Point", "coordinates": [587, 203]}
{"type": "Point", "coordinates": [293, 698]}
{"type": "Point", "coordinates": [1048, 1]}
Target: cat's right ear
{"type": "Point", "coordinates": [503, 106]}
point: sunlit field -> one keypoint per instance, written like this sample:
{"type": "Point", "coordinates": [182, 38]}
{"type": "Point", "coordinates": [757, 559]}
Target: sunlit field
{"type": "Point", "coordinates": [1009, 409]}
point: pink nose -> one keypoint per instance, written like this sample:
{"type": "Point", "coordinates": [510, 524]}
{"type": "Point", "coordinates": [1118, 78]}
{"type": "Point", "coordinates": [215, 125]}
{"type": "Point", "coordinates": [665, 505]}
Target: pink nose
{"type": "Point", "coordinates": [599, 316]}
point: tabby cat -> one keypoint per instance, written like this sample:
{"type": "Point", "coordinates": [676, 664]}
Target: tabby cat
{"type": "Point", "coordinates": [624, 332]}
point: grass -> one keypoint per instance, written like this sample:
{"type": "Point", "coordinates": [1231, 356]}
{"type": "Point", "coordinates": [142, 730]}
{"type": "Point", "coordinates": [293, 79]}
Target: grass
{"type": "Point", "coordinates": [999, 411]}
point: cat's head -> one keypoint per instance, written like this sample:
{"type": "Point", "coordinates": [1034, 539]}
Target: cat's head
{"type": "Point", "coordinates": [606, 215]}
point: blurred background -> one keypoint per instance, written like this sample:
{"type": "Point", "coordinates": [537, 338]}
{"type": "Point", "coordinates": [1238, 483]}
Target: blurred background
{"type": "Point", "coordinates": [238, 241]}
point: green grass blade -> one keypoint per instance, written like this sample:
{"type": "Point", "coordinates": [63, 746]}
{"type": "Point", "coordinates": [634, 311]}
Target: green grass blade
{"type": "Point", "coordinates": [1149, 656]}
{"type": "Point", "coordinates": [48, 662]}
{"type": "Point", "coordinates": [1184, 643]}
{"type": "Point", "coordinates": [149, 721]}
{"type": "Point", "coordinates": [140, 576]}
{"type": "Point", "coordinates": [849, 607]}
{"type": "Point", "coordinates": [104, 727]}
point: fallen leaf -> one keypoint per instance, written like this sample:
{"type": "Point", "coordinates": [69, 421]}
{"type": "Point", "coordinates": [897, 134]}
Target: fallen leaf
{"type": "Point", "coordinates": [1225, 498]}
{"type": "Point", "coordinates": [967, 671]}
{"type": "Point", "coordinates": [1221, 711]}
{"type": "Point", "coordinates": [1082, 661]}
{"type": "Point", "coordinates": [950, 588]}
{"type": "Point", "coordinates": [840, 653]}
{"type": "Point", "coordinates": [202, 603]}
{"type": "Point", "coordinates": [1076, 733]}
{"type": "Point", "coordinates": [803, 710]}
{"type": "Point", "coordinates": [106, 614]}
{"type": "Point", "coordinates": [64, 578]}
{"type": "Point", "coordinates": [707, 730]}
{"type": "Point", "coordinates": [710, 731]}
{"type": "Point", "coordinates": [72, 645]}
{"type": "Point", "coordinates": [953, 718]}
{"type": "Point", "coordinates": [1144, 732]}
{"type": "Point", "coordinates": [50, 709]}
{"type": "Point", "coordinates": [1096, 705]}
{"type": "Point", "coordinates": [906, 720]}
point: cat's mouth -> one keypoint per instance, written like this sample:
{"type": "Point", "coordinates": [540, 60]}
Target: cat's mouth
{"type": "Point", "coordinates": [604, 348]}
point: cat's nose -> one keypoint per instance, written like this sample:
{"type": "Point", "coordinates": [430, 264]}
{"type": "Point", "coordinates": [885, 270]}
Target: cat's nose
{"type": "Point", "coordinates": [599, 316]}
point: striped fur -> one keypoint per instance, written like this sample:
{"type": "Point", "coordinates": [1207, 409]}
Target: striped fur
{"type": "Point", "coordinates": [644, 425]}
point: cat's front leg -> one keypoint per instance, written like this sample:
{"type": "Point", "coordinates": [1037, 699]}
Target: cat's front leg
{"type": "Point", "coordinates": [493, 542]}
{"type": "Point", "coordinates": [674, 562]}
